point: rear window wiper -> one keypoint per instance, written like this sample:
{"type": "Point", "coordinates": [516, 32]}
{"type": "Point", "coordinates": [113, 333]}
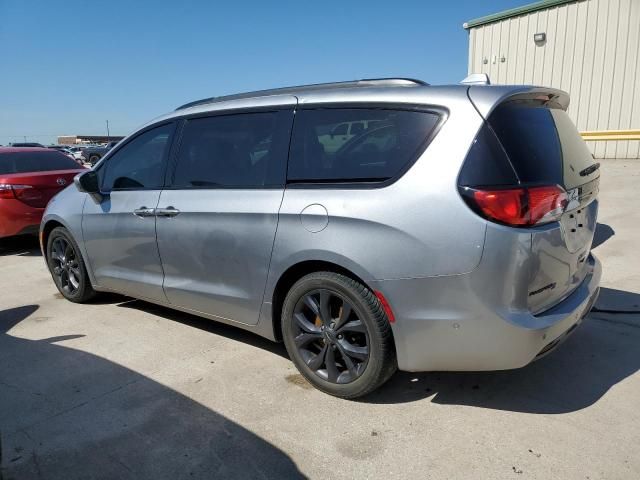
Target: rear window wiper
{"type": "Point", "coordinates": [589, 170]}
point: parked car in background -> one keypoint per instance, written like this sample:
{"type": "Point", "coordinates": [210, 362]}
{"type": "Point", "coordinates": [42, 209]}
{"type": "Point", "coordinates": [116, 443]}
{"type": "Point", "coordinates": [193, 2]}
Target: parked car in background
{"type": "Point", "coordinates": [78, 153]}
{"type": "Point", "coordinates": [62, 148]}
{"type": "Point", "coordinates": [95, 153]}
{"type": "Point", "coordinates": [27, 144]}
{"type": "Point", "coordinates": [29, 178]}
{"type": "Point", "coordinates": [451, 230]}
{"type": "Point", "coordinates": [67, 151]}
{"type": "Point", "coordinates": [340, 134]}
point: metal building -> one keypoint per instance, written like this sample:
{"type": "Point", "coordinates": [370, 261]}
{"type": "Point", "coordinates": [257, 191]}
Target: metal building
{"type": "Point", "coordinates": [589, 48]}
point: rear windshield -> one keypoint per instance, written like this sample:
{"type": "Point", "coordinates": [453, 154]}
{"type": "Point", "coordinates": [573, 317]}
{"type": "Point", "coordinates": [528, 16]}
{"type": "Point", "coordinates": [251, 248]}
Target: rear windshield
{"type": "Point", "coordinates": [25, 162]}
{"type": "Point", "coordinates": [356, 145]}
{"type": "Point", "coordinates": [543, 145]}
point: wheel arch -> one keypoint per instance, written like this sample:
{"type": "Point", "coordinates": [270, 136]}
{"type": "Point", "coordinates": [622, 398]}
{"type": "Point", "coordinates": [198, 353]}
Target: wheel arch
{"type": "Point", "coordinates": [52, 221]}
{"type": "Point", "coordinates": [46, 231]}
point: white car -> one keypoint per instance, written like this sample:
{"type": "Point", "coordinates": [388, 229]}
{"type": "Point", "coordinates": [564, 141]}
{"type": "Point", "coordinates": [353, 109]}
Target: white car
{"type": "Point", "coordinates": [76, 152]}
{"type": "Point", "coordinates": [341, 133]}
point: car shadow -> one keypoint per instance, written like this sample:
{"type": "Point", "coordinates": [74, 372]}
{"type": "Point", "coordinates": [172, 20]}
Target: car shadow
{"type": "Point", "coordinates": [603, 233]}
{"type": "Point", "coordinates": [67, 414]}
{"type": "Point", "coordinates": [602, 352]}
{"type": "Point", "coordinates": [211, 326]}
{"type": "Point", "coordinates": [21, 245]}
{"type": "Point", "coordinates": [614, 301]}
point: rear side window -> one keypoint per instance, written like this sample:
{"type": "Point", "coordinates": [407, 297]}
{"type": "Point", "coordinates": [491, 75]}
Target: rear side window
{"type": "Point", "coordinates": [322, 151]}
{"type": "Point", "coordinates": [25, 162]}
{"type": "Point", "coordinates": [243, 150]}
{"type": "Point", "coordinates": [543, 145]}
{"type": "Point", "coordinates": [139, 163]}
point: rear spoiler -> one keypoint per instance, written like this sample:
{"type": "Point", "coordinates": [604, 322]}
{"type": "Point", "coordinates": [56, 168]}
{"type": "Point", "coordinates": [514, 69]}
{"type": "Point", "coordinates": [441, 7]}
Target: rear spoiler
{"type": "Point", "coordinates": [487, 97]}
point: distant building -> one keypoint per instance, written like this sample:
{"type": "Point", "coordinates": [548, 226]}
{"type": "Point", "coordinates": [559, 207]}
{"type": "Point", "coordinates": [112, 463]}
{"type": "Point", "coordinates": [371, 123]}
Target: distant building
{"type": "Point", "coordinates": [76, 139]}
{"type": "Point", "coordinates": [589, 48]}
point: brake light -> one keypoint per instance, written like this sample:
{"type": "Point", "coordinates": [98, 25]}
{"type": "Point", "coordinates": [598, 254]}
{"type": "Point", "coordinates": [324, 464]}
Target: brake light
{"type": "Point", "coordinates": [6, 191]}
{"type": "Point", "coordinates": [520, 206]}
{"type": "Point", "coordinates": [25, 193]}
{"type": "Point", "coordinates": [12, 191]}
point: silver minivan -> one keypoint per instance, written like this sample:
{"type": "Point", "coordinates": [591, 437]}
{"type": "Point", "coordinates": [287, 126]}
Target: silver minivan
{"type": "Point", "coordinates": [445, 228]}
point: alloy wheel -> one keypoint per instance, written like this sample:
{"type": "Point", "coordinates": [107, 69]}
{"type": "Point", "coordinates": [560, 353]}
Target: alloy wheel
{"type": "Point", "coordinates": [330, 337]}
{"type": "Point", "coordinates": [66, 268]}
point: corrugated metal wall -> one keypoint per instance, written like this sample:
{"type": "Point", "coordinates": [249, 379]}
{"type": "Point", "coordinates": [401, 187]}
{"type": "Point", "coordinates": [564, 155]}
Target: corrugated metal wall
{"type": "Point", "coordinates": [591, 51]}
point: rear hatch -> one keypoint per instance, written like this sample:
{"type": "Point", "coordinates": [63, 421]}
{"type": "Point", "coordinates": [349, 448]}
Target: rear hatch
{"type": "Point", "coordinates": [532, 146]}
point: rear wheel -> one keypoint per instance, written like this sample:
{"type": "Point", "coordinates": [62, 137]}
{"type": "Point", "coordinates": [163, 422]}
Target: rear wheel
{"type": "Point", "coordinates": [93, 159]}
{"type": "Point", "coordinates": [67, 267]}
{"type": "Point", "coordinates": [338, 335]}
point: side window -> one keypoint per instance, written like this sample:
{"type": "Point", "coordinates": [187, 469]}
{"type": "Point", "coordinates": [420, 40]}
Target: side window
{"type": "Point", "coordinates": [393, 139]}
{"type": "Point", "coordinates": [240, 150]}
{"type": "Point", "coordinates": [138, 164]}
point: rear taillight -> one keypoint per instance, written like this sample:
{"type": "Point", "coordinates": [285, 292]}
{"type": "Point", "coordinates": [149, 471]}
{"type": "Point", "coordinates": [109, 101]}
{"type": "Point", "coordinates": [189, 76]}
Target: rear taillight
{"type": "Point", "coordinates": [6, 191]}
{"type": "Point", "coordinates": [524, 206]}
{"type": "Point", "coordinates": [24, 193]}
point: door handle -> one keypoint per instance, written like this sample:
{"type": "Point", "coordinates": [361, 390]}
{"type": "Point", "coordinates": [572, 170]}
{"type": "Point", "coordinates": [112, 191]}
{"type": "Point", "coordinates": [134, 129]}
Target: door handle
{"type": "Point", "coordinates": [144, 212]}
{"type": "Point", "coordinates": [167, 212]}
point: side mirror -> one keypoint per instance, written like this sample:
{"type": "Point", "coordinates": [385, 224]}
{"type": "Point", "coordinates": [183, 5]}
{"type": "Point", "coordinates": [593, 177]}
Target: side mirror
{"type": "Point", "coordinates": [87, 182]}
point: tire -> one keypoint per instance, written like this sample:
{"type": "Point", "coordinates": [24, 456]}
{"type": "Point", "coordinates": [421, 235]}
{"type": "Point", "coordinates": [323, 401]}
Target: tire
{"type": "Point", "coordinates": [338, 335]}
{"type": "Point", "coordinates": [93, 159]}
{"type": "Point", "coordinates": [67, 267]}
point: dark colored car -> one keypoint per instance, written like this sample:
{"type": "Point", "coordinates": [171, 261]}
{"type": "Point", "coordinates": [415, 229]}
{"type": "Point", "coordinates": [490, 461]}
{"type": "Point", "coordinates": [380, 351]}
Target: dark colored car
{"type": "Point", "coordinates": [93, 154]}
{"type": "Point", "coordinates": [29, 178]}
{"type": "Point", "coordinates": [28, 144]}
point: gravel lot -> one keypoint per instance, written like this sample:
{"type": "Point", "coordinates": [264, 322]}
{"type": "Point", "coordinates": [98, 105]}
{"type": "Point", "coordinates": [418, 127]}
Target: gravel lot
{"type": "Point", "coordinates": [126, 389]}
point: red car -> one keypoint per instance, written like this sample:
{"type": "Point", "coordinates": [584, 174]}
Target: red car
{"type": "Point", "coordinates": [29, 178]}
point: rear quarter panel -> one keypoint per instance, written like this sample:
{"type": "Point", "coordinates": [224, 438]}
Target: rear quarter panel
{"type": "Point", "coordinates": [416, 227]}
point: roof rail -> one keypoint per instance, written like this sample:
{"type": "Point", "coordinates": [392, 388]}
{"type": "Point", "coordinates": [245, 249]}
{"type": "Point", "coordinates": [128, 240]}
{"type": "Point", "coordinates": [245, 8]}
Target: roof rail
{"type": "Point", "coordinates": [365, 82]}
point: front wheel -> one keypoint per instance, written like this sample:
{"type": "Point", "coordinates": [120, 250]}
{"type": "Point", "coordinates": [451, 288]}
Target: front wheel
{"type": "Point", "coordinates": [338, 335]}
{"type": "Point", "coordinates": [67, 267]}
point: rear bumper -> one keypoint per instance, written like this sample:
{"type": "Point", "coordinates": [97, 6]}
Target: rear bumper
{"type": "Point", "coordinates": [16, 218]}
{"type": "Point", "coordinates": [444, 323]}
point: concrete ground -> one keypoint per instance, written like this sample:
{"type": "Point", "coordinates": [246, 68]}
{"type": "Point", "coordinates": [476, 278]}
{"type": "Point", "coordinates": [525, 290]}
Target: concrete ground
{"type": "Point", "coordinates": [125, 389]}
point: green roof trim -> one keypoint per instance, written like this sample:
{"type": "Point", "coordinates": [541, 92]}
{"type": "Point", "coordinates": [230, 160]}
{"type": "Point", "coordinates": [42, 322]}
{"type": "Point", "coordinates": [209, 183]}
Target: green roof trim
{"type": "Point", "coordinates": [514, 12]}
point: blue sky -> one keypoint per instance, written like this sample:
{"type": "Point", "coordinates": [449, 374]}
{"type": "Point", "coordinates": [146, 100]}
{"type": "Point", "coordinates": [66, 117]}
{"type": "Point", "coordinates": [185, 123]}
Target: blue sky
{"type": "Point", "coordinates": [68, 65]}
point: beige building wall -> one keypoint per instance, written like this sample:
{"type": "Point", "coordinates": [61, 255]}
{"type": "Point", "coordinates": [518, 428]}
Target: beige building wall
{"type": "Point", "coordinates": [67, 140]}
{"type": "Point", "coordinates": [591, 51]}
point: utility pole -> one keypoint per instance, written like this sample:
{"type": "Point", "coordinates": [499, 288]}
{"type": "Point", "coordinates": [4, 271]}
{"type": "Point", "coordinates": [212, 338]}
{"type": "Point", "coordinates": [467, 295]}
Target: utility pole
{"type": "Point", "coordinates": [108, 135]}
{"type": "Point", "coordinates": [25, 138]}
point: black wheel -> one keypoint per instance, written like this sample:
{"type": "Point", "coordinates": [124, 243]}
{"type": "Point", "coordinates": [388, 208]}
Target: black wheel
{"type": "Point", "coordinates": [338, 335]}
{"type": "Point", "coordinates": [93, 159]}
{"type": "Point", "coordinates": [67, 267]}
